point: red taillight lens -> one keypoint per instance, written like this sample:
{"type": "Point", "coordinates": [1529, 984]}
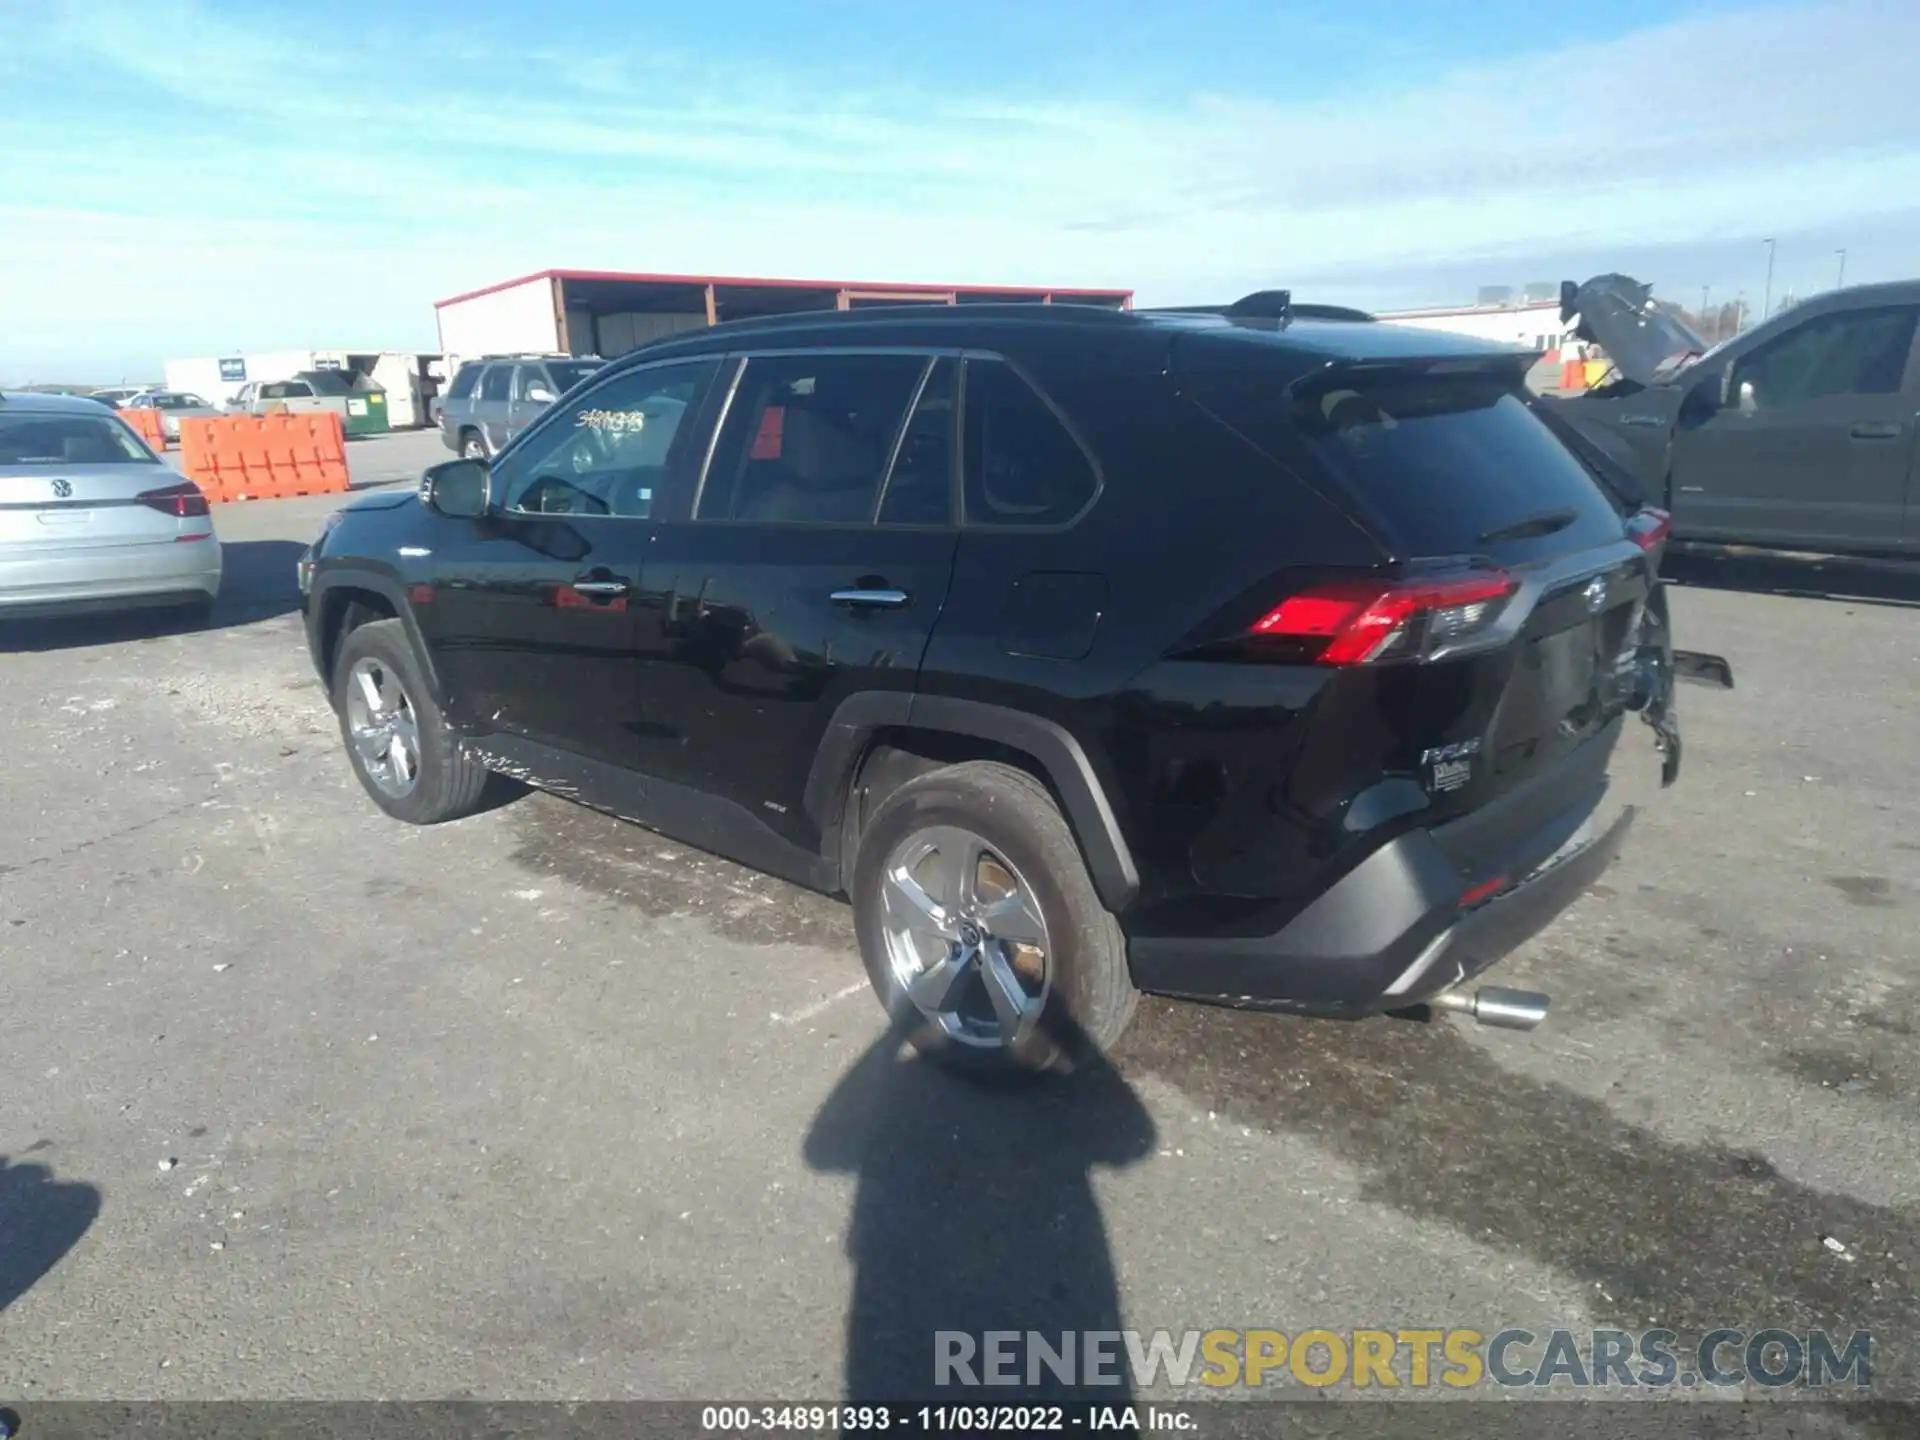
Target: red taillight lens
{"type": "Point", "coordinates": [1359, 622]}
{"type": "Point", "coordinates": [182, 500]}
{"type": "Point", "coordinates": [1648, 527]}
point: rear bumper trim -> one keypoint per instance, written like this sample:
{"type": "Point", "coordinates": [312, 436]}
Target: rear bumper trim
{"type": "Point", "coordinates": [1391, 933]}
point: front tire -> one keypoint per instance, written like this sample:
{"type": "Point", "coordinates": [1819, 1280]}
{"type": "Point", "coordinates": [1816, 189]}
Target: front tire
{"type": "Point", "coordinates": [407, 759]}
{"type": "Point", "coordinates": [980, 928]}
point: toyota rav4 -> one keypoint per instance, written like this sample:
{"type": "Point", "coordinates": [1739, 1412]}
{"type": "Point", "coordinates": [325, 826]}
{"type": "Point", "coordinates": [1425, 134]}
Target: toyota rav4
{"type": "Point", "coordinates": [1269, 656]}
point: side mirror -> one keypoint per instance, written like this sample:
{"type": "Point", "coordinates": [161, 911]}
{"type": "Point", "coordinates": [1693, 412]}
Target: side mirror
{"type": "Point", "coordinates": [1749, 403]}
{"type": "Point", "coordinates": [1704, 400]}
{"type": "Point", "coordinates": [456, 488]}
{"type": "Point", "coordinates": [540, 395]}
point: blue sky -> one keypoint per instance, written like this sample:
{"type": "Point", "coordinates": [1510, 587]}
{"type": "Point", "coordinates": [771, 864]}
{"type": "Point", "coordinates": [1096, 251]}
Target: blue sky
{"type": "Point", "coordinates": [192, 176]}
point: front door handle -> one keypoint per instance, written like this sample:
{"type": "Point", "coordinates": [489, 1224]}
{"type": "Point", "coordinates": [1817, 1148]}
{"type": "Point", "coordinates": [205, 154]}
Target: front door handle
{"type": "Point", "coordinates": [1876, 430]}
{"type": "Point", "coordinates": [875, 599]}
{"type": "Point", "coordinates": [606, 588]}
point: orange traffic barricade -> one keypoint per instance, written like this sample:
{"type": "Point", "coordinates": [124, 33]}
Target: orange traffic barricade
{"type": "Point", "coordinates": [148, 424]}
{"type": "Point", "coordinates": [263, 457]}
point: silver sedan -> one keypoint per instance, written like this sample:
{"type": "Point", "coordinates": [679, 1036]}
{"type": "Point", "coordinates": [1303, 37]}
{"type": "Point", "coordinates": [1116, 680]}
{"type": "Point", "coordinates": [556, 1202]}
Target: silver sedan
{"type": "Point", "coordinates": [91, 519]}
{"type": "Point", "coordinates": [174, 406]}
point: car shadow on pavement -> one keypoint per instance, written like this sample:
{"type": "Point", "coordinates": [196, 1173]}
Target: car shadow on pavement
{"type": "Point", "coordinates": [257, 582]}
{"type": "Point", "coordinates": [1683, 1236]}
{"type": "Point", "coordinates": [1811, 579]}
{"type": "Point", "coordinates": [41, 1219]}
{"type": "Point", "coordinates": [974, 1211]}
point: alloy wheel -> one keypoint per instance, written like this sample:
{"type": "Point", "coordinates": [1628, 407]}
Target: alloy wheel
{"type": "Point", "coordinates": [385, 731]}
{"type": "Point", "coordinates": [966, 940]}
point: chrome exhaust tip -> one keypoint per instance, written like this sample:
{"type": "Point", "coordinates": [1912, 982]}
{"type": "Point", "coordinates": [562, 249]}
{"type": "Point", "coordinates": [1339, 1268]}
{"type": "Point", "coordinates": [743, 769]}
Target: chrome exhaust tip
{"type": "Point", "coordinates": [1497, 1006]}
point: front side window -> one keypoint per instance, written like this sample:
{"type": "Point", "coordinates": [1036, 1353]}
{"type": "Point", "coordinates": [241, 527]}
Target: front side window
{"type": "Point", "coordinates": [807, 438]}
{"type": "Point", "coordinates": [1023, 467]}
{"type": "Point", "coordinates": [608, 452]}
{"type": "Point", "coordinates": [498, 383]}
{"type": "Point", "coordinates": [1854, 352]}
{"type": "Point", "coordinates": [299, 390]}
{"type": "Point", "coordinates": [533, 385]}
{"type": "Point", "coordinates": [30, 439]}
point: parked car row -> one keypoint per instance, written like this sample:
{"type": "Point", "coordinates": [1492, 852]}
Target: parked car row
{"type": "Point", "coordinates": [360, 403]}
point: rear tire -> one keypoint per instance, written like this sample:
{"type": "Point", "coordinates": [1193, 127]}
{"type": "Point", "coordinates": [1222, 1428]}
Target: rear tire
{"type": "Point", "coordinates": [381, 695]}
{"type": "Point", "coordinates": [472, 446]}
{"type": "Point", "coordinates": [1002, 826]}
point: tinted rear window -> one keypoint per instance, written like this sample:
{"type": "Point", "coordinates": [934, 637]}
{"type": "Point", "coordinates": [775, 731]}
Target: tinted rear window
{"type": "Point", "coordinates": [31, 439]}
{"type": "Point", "coordinates": [1449, 464]}
{"type": "Point", "coordinates": [464, 382]}
{"type": "Point", "coordinates": [338, 382]}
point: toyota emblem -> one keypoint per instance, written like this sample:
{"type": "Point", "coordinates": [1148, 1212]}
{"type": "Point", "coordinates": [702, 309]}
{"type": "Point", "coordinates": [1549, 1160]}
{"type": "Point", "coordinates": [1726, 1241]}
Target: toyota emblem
{"type": "Point", "coordinates": [1596, 594]}
{"type": "Point", "coordinates": [63, 488]}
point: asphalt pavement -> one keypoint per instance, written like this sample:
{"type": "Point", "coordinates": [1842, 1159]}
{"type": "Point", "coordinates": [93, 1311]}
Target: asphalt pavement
{"type": "Point", "coordinates": [300, 1102]}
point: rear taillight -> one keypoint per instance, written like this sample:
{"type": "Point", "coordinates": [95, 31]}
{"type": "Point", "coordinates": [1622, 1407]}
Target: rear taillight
{"type": "Point", "coordinates": [1648, 527]}
{"type": "Point", "coordinates": [182, 500]}
{"type": "Point", "coordinates": [1362, 622]}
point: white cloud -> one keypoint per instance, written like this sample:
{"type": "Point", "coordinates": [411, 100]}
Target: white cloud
{"type": "Point", "coordinates": [292, 193]}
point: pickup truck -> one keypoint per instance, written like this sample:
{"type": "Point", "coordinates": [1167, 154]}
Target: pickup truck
{"type": "Point", "coordinates": [1795, 435]}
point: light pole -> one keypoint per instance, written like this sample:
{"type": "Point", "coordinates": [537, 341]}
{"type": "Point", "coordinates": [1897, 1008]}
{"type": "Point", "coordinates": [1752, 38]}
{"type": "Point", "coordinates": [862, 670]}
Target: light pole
{"type": "Point", "coordinates": [1841, 278]}
{"type": "Point", "coordinates": [1705, 290]}
{"type": "Point", "coordinates": [1766, 302]}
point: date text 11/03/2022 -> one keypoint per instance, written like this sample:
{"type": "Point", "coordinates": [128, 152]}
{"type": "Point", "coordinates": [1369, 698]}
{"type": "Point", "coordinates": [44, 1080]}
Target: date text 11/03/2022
{"type": "Point", "coordinates": [948, 1419]}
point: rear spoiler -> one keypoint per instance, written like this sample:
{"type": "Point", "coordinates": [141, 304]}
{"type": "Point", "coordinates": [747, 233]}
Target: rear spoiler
{"type": "Point", "coordinates": [1510, 366]}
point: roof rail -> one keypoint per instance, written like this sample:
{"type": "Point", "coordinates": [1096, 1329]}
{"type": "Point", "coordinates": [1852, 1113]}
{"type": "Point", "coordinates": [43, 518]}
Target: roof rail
{"type": "Point", "coordinates": [1060, 310]}
{"type": "Point", "coordinates": [1267, 305]}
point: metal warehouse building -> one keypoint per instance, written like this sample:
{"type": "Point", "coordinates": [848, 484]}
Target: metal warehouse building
{"type": "Point", "coordinates": [601, 312]}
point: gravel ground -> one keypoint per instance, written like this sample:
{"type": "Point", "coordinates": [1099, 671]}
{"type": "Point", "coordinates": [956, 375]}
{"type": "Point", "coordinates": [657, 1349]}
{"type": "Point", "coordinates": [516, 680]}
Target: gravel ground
{"type": "Point", "coordinates": [299, 1102]}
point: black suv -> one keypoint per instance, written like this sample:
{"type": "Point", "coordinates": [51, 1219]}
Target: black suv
{"type": "Point", "coordinates": [1261, 656]}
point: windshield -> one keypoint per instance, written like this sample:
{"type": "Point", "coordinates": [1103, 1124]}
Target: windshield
{"type": "Point", "coordinates": [179, 402]}
{"type": "Point", "coordinates": [68, 440]}
{"type": "Point", "coordinates": [338, 382]}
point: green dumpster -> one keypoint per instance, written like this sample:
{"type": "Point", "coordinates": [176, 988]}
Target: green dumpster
{"type": "Point", "coordinates": [361, 403]}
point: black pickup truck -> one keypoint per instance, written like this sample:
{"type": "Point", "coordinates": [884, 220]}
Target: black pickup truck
{"type": "Point", "coordinates": [1797, 435]}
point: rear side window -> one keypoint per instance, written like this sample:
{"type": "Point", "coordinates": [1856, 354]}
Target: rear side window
{"type": "Point", "coordinates": [1451, 465]}
{"type": "Point", "coordinates": [464, 382]}
{"type": "Point", "coordinates": [68, 440]}
{"type": "Point", "coordinates": [920, 485]}
{"type": "Point", "coordinates": [1022, 465]}
{"type": "Point", "coordinates": [498, 384]}
{"type": "Point", "coordinates": [807, 438]}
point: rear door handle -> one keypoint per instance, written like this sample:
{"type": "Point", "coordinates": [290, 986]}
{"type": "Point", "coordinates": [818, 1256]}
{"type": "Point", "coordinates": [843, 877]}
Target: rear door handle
{"type": "Point", "coordinates": [1876, 430]}
{"type": "Point", "coordinates": [877, 599]}
{"type": "Point", "coordinates": [607, 588]}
